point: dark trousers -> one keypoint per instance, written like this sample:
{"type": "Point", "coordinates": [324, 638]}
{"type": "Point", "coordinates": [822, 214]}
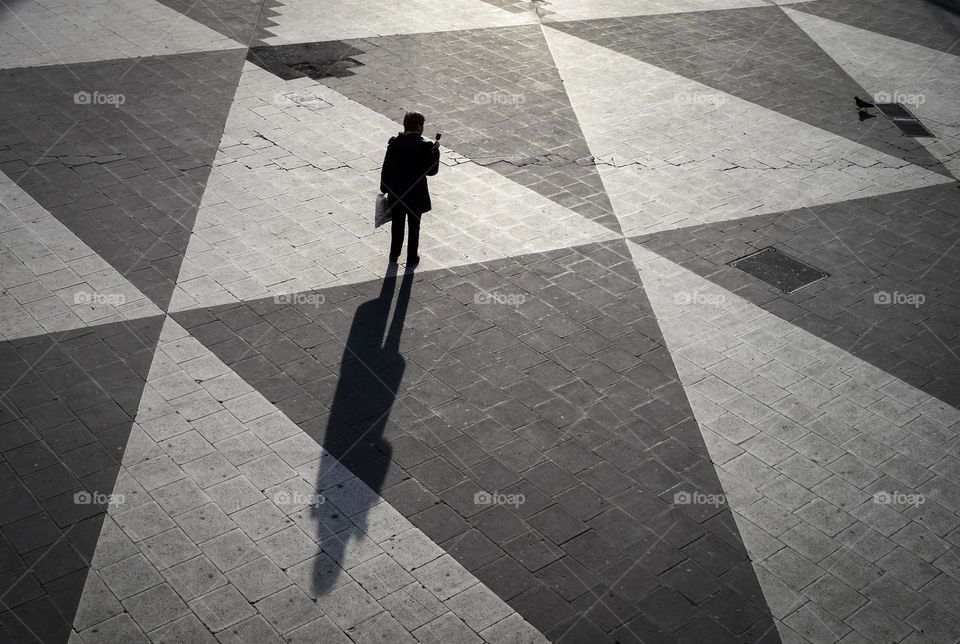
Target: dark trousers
{"type": "Point", "coordinates": [399, 215]}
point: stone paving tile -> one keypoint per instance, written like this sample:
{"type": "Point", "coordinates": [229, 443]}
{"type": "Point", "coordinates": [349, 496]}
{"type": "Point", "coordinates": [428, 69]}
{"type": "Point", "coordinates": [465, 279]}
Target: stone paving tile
{"type": "Point", "coordinates": [874, 250]}
{"type": "Point", "coordinates": [370, 411]}
{"type": "Point", "coordinates": [839, 547]}
{"type": "Point", "coordinates": [123, 175]}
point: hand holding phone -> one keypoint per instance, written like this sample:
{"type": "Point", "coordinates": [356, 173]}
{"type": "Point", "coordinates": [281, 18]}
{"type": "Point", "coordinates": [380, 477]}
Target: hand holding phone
{"type": "Point", "coordinates": [436, 144]}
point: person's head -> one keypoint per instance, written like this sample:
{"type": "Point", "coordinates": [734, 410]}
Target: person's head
{"type": "Point", "coordinates": [413, 122]}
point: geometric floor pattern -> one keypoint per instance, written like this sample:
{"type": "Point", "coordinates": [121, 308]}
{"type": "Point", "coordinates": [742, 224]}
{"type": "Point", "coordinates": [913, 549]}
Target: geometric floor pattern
{"type": "Point", "coordinates": [224, 418]}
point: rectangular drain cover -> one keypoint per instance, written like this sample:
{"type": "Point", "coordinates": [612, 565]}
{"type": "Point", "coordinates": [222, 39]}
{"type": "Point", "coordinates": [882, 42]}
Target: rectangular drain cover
{"type": "Point", "coordinates": [895, 111]}
{"type": "Point", "coordinates": [904, 119]}
{"type": "Point", "coordinates": [912, 127]}
{"type": "Point", "coordinates": [779, 270]}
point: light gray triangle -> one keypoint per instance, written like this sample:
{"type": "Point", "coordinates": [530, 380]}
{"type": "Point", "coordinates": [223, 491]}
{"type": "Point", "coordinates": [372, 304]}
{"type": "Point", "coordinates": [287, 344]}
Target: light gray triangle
{"type": "Point", "coordinates": [926, 80]}
{"type": "Point", "coordinates": [289, 204]}
{"type": "Point", "coordinates": [673, 152]}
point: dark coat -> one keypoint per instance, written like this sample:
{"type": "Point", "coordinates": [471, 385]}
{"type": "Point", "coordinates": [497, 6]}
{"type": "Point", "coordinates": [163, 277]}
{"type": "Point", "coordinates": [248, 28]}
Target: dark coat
{"type": "Point", "coordinates": [409, 160]}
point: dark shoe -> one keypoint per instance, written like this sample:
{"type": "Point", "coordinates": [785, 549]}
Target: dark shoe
{"type": "Point", "coordinates": [413, 261]}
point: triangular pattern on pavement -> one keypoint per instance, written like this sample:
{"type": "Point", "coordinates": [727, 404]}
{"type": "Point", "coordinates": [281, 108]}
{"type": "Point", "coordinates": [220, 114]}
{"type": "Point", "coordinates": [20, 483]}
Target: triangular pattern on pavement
{"type": "Point", "coordinates": [121, 151]}
{"type": "Point", "coordinates": [563, 10]}
{"type": "Point", "coordinates": [236, 19]}
{"type": "Point", "coordinates": [522, 127]}
{"type": "Point", "coordinates": [221, 496]}
{"type": "Point", "coordinates": [926, 80]}
{"type": "Point", "coordinates": [52, 281]}
{"type": "Point", "coordinates": [392, 373]}
{"type": "Point", "coordinates": [897, 312]}
{"type": "Point", "coordinates": [67, 411]}
{"type": "Point", "coordinates": [933, 24]}
{"type": "Point", "coordinates": [323, 152]}
{"type": "Point", "coordinates": [761, 56]}
{"type": "Point", "coordinates": [789, 420]}
{"type": "Point", "coordinates": [295, 21]}
{"type": "Point", "coordinates": [673, 152]}
{"type": "Point", "coordinates": [36, 33]}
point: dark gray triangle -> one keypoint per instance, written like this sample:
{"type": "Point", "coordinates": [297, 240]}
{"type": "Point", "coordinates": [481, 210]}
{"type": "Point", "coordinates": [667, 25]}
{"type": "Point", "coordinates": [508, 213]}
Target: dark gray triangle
{"type": "Point", "coordinates": [237, 19]}
{"type": "Point", "coordinates": [519, 123]}
{"type": "Point", "coordinates": [758, 54]}
{"type": "Point", "coordinates": [880, 255]}
{"type": "Point", "coordinates": [934, 24]}
{"type": "Point", "coordinates": [126, 179]}
{"type": "Point", "coordinates": [69, 405]}
{"type": "Point", "coordinates": [558, 387]}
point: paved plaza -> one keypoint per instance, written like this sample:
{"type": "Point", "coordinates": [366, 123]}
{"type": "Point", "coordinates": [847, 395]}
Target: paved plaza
{"type": "Point", "coordinates": [225, 418]}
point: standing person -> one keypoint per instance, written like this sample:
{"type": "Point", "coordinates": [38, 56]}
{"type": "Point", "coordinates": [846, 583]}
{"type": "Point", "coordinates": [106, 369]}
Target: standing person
{"type": "Point", "coordinates": [409, 160]}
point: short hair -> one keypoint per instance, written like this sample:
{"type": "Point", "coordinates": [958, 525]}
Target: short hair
{"type": "Point", "coordinates": [413, 120]}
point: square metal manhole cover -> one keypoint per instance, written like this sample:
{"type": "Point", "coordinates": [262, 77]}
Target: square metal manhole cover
{"type": "Point", "coordinates": [779, 270]}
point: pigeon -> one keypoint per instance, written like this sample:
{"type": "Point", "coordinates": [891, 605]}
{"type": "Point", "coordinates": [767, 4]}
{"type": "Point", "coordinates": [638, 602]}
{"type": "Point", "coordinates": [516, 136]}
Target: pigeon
{"type": "Point", "coordinates": [862, 104]}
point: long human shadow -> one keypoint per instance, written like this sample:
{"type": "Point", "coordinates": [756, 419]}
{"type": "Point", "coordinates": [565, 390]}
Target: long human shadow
{"type": "Point", "coordinates": [371, 371]}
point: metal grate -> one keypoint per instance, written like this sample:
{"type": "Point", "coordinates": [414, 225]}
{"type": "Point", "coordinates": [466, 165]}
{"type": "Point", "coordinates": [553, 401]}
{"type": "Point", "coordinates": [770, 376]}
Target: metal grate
{"type": "Point", "coordinates": [895, 111]}
{"type": "Point", "coordinates": [779, 270]}
{"type": "Point", "coordinates": [912, 127]}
